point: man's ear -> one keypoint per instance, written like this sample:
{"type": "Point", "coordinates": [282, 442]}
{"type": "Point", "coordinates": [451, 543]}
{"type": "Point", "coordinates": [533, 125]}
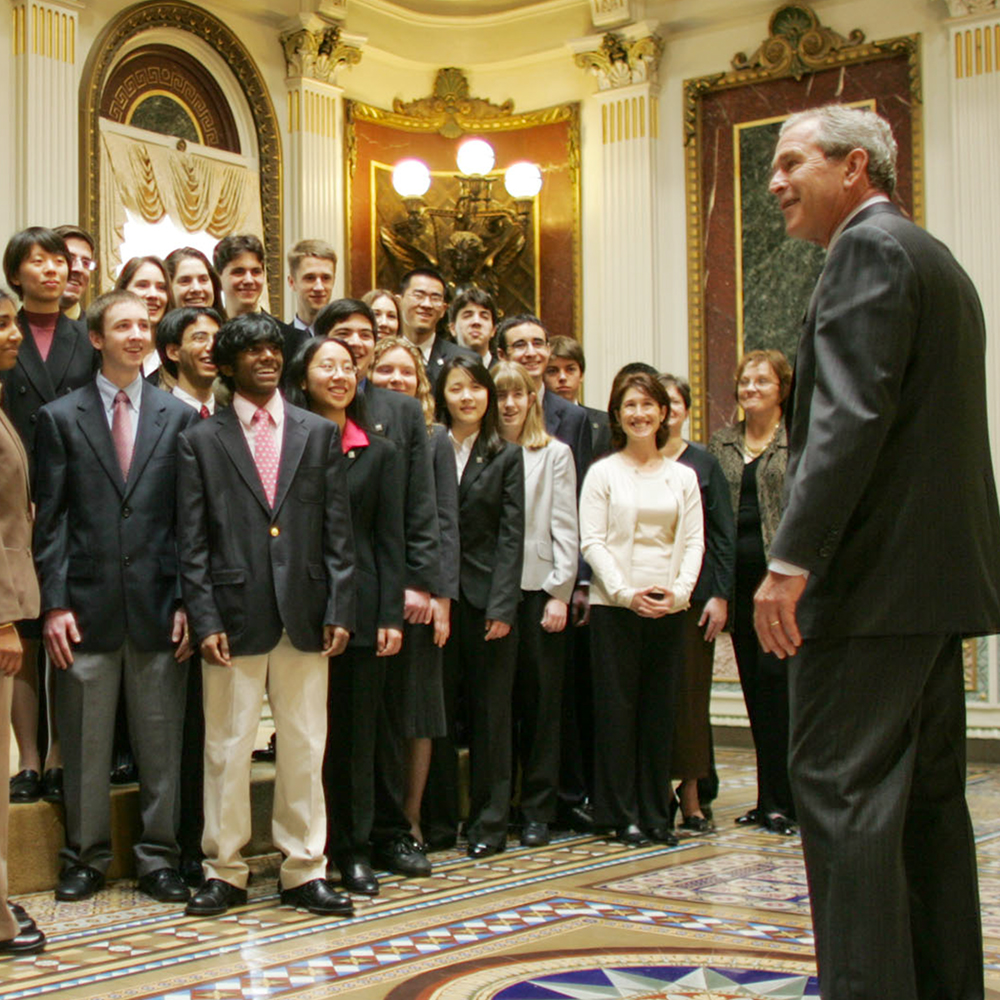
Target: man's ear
{"type": "Point", "coordinates": [173, 352]}
{"type": "Point", "coordinates": [856, 163]}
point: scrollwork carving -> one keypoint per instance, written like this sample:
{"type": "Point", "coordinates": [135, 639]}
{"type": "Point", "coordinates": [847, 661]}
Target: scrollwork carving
{"type": "Point", "coordinates": [963, 8]}
{"type": "Point", "coordinates": [317, 54]}
{"type": "Point", "coordinates": [620, 62]}
{"type": "Point", "coordinates": [450, 109]}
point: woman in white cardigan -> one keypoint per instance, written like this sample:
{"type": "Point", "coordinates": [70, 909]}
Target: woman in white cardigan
{"type": "Point", "coordinates": [641, 531]}
{"type": "Point", "coordinates": [551, 549]}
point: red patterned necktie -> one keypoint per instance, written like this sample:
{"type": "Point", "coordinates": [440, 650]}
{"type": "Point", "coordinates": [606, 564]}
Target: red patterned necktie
{"type": "Point", "coordinates": [203, 412]}
{"type": "Point", "coordinates": [265, 453]}
{"type": "Point", "coordinates": [121, 432]}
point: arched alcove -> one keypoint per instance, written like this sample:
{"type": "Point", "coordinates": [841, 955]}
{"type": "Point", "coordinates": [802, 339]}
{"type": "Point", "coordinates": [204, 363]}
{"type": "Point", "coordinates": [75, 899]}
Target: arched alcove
{"type": "Point", "coordinates": [142, 53]}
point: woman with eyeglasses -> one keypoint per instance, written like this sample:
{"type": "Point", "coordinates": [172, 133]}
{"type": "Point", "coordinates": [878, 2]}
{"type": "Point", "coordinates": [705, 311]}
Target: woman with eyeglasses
{"type": "Point", "coordinates": [753, 454]}
{"type": "Point", "coordinates": [322, 376]}
{"type": "Point", "coordinates": [481, 655]}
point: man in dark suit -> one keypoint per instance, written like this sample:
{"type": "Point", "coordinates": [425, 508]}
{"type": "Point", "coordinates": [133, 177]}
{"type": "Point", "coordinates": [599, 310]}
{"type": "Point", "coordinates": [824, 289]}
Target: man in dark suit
{"type": "Point", "coordinates": [266, 563]}
{"type": "Point", "coordinates": [524, 339]}
{"type": "Point", "coordinates": [564, 376]}
{"type": "Point", "coordinates": [886, 556]}
{"type": "Point", "coordinates": [107, 557]}
{"type": "Point", "coordinates": [312, 270]}
{"type": "Point", "coordinates": [82, 266]}
{"type": "Point", "coordinates": [400, 419]}
{"type": "Point", "coordinates": [423, 300]}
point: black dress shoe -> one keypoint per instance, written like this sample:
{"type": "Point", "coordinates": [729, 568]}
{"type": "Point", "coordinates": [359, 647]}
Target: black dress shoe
{"type": "Point", "coordinates": [357, 876]}
{"type": "Point", "coordinates": [165, 885]}
{"type": "Point", "coordinates": [443, 843]}
{"type": "Point", "coordinates": [124, 774]}
{"type": "Point", "coordinates": [402, 856]}
{"type": "Point", "coordinates": [214, 898]}
{"type": "Point", "coordinates": [697, 824]}
{"type": "Point", "coordinates": [21, 915]}
{"type": "Point", "coordinates": [26, 786]}
{"type": "Point", "coordinates": [779, 823]}
{"type": "Point", "coordinates": [52, 785]}
{"type": "Point", "coordinates": [269, 754]}
{"type": "Point", "coordinates": [29, 941]}
{"type": "Point", "coordinates": [191, 871]}
{"type": "Point", "coordinates": [482, 850]}
{"type": "Point", "coordinates": [79, 882]}
{"type": "Point", "coordinates": [534, 833]}
{"type": "Point", "coordinates": [630, 835]}
{"type": "Point", "coordinates": [662, 835]}
{"type": "Point", "coordinates": [577, 818]}
{"type": "Point", "coordinates": [750, 818]}
{"type": "Point", "coordinates": [318, 896]}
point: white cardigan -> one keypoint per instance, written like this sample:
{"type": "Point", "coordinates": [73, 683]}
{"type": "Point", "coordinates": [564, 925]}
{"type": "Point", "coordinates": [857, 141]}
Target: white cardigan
{"type": "Point", "coordinates": [551, 535]}
{"type": "Point", "coordinates": [608, 517]}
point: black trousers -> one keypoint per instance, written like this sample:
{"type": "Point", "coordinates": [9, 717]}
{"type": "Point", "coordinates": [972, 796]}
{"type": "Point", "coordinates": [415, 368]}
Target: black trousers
{"type": "Point", "coordinates": [537, 707]}
{"type": "Point", "coordinates": [357, 677]}
{"type": "Point", "coordinates": [636, 662]}
{"type": "Point", "coordinates": [764, 679]}
{"type": "Point", "coordinates": [878, 772]}
{"type": "Point", "coordinates": [482, 674]}
{"type": "Point", "coordinates": [192, 789]}
{"type": "Point", "coordinates": [576, 731]}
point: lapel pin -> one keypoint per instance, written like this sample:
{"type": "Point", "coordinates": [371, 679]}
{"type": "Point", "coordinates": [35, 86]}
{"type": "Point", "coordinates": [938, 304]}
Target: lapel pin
{"type": "Point", "coordinates": [350, 454]}
{"type": "Point", "coordinates": [378, 427]}
{"type": "Point", "coordinates": [479, 459]}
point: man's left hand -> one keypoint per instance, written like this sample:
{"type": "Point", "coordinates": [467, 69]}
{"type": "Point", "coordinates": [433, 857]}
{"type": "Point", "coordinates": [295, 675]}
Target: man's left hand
{"type": "Point", "coordinates": [774, 613]}
{"type": "Point", "coordinates": [181, 637]}
{"type": "Point", "coordinates": [334, 640]}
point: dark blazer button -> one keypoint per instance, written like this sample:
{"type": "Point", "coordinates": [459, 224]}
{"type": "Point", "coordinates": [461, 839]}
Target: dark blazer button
{"type": "Point", "coordinates": [126, 511]}
{"type": "Point", "coordinates": [825, 551]}
{"type": "Point", "coordinates": [33, 418]}
{"type": "Point", "coordinates": [128, 560]}
{"type": "Point", "coordinates": [22, 390]}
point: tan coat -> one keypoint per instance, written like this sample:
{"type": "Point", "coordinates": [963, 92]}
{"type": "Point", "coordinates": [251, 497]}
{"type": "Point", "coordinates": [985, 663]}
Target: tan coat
{"type": "Point", "coordinates": [19, 597]}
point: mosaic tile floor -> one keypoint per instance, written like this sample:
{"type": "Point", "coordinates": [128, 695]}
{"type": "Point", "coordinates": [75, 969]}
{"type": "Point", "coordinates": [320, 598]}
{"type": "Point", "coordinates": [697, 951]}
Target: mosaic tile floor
{"type": "Point", "coordinates": [725, 915]}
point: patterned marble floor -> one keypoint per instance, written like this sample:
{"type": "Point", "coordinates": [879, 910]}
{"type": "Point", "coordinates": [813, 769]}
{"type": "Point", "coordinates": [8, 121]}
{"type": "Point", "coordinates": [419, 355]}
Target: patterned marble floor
{"type": "Point", "coordinates": [725, 915]}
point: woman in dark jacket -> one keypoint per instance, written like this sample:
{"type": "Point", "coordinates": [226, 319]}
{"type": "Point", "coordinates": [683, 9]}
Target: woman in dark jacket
{"type": "Point", "coordinates": [324, 373]}
{"type": "Point", "coordinates": [753, 454]}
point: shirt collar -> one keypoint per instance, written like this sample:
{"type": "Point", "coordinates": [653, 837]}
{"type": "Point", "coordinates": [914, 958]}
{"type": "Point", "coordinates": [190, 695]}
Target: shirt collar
{"type": "Point", "coordinates": [300, 325]}
{"type": "Point", "coordinates": [109, 390]}
{"type": "Point", "coordinates": [150, 363]}
{"type": "Point", "coordinates": [873, 200]}
{"type": "Point", "coordinates": [245, 410]}
{"type": "Point", "coordinates": [352, 437]}
{"type": "Point", "coordinates": [193, 401]}
{"type": "Point", "coordinates": [426, 347]}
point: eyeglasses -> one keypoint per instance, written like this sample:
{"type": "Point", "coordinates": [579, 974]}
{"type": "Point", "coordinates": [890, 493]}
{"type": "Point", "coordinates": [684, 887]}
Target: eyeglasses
{"type": "Point", "coordinates": [329, 368]}
{"type": "Point", "coordinates": [755, 383]}
{"type": "Point", "coordinates": [84, 263]}
{"type": "Point", "coordinates": [418, 295]}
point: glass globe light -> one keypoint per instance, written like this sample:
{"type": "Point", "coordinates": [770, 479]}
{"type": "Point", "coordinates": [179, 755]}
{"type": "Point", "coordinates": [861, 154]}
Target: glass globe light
{"type": "Point", "coordinates": [475, 157]}
{"type": "Point", "coordinates": [411, 178]}
{"type": "Point", "coordinates": [523, 180]}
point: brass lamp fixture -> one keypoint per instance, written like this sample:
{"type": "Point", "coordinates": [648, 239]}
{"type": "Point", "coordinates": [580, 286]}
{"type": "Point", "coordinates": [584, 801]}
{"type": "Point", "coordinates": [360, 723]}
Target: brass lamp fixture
{"type": "Point", "coordinates": [474, 239]}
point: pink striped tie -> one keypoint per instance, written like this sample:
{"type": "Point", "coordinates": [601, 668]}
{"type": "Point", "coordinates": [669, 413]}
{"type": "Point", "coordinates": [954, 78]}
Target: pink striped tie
{"type": "Point", "coordinates": [121, 432]}
{"type": "Point", "coordinates": [265, 453]}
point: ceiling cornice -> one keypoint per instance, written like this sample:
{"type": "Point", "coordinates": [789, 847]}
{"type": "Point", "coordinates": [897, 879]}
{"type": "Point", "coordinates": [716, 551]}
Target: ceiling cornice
{"type": "Point", "coordinates": [496, 18]}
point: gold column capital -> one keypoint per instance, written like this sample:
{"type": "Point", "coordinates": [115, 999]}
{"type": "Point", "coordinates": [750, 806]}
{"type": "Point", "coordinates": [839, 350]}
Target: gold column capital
{"type": "Point", "coordinates": [317, 52]}
{"type": "Point", "coordinates": [621, 59]}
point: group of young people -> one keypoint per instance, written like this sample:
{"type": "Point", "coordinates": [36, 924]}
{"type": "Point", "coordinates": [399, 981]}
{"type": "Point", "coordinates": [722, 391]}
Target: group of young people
{"type": "Point", "coordinates": [403, 538]}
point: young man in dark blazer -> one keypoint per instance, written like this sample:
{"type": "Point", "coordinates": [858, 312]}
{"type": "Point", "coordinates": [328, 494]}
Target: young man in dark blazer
{"type": "Point", "coordinates": [312, 271]}
{"type": "Point", "coordinates": [266, 563]}
{"type": "Point", "coordinates": [424, 299]}
{"type": "Point", "coordinates": [106, 551]}
{"type": "Point", "coordinates": [885, 557]}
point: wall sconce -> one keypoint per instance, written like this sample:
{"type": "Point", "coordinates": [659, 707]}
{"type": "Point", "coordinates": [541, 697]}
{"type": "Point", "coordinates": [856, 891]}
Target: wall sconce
{"type": "Point", "coordinates": [475, 239]}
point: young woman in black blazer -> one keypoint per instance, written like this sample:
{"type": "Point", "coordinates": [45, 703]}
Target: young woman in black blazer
{"type": "Point", "coordinates": [323, 372]}
{"type": "Point", "coordinates": [482, 652]}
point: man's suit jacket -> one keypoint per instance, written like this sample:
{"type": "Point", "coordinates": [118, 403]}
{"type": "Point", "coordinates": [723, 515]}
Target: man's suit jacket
{"type": "Point", "coordinates": [19, 596]}
{"type": "Point", "coordinates": [375, 484]}
{"type": "Point", "coordinates": [106, 548]}
{"type": "Point", "coordinates": [600, 432]}
{"type": "Point", "coordinates": [401, 420]}
{"type": "Point", "coordinates": [249, 570]}
{"type": "Point", "coordinates": [32, 382]}
{"type": "Point", "coordinates": [551, 528]}
{"type": "Point", "coordinates": [892, 502]}
{"type": "Point", "coordinates": [491, 529]}
{"type": "Point", "coordinates": [569, 423]}
{"type": "Point", "coordinates": [441, 351]}
{"type": "Point", "coordinates": [446, 490]}
{"type": "Point", "coordinates": [292, 339]}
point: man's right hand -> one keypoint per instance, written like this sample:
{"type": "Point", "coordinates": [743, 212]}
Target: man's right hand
{"type": "Point", "coordinates": [58, 633]}
{"type": "Point", "coordinates": [215, 649]}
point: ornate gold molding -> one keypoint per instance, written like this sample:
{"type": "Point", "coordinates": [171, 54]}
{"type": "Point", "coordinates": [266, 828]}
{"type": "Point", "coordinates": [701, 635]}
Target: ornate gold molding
{"type": "Point", "coordinates": [620, 62]}
{"type": "Point", "coordinates": [967, 8]}
{"type": "Point", "coordinates": [187, 17]}
{"type": "Point", "coordinates": [798, 45]}
{"type": "Point", "coordinates": [318, 55]}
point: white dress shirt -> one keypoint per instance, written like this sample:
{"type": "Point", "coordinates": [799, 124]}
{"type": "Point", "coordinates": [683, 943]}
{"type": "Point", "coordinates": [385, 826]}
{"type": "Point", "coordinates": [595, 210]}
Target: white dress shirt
{"type": "Point", "coordinates": [109, 390]}
{"type": "Point", "coordinates": [193, 401]}
{"type": "Point", "coordinates": [463, 449]}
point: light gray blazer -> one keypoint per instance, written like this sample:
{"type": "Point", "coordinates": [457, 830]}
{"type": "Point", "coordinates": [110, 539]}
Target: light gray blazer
{"type": "Point", "coordinates": [551, 531]}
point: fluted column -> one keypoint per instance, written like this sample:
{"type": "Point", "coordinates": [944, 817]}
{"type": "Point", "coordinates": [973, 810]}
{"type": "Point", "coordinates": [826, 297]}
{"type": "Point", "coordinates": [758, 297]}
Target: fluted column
{"type": "Point", "coordinates": [314, 53]}
{"type": "Point", "coordinates": [45, 111]}
{"type": "Point", "coordinates": [621, 290]}
{"type": "Point", "coordinates": [975, 98]}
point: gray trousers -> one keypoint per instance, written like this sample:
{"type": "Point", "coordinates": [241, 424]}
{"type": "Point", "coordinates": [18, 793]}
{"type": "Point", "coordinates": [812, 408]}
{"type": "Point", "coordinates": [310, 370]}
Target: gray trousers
{"type": "Point", "coordinates": [877, 761]}
{"type": "Point", "coordinates": [86, 701]}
